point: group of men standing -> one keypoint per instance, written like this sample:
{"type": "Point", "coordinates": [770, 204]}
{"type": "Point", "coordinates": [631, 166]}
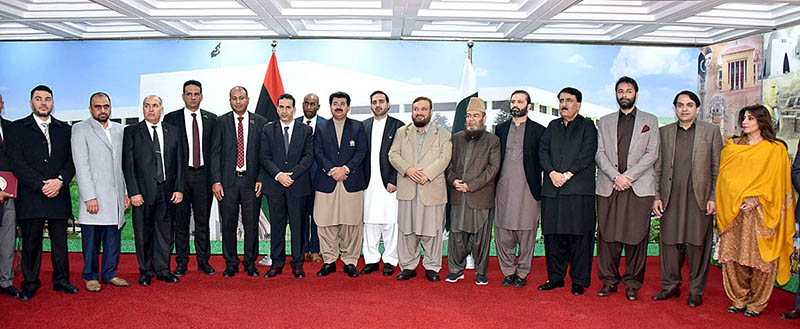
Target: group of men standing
{"type": "Point", "coordinates": [367, 184]}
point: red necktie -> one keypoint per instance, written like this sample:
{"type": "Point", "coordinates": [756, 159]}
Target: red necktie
{"type": "Point", "coordinates": [240, 145]}
{"type": "Point", "coordinates": [195, 142]}
{"type": "Point", "coordinates": [308, 122]}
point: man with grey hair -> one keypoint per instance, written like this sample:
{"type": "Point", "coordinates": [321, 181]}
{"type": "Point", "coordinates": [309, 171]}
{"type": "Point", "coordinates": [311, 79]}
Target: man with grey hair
{"type": "Point", "coordinates": [8, 220]}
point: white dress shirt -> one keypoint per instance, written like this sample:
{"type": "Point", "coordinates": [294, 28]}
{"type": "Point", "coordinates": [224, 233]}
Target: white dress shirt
{"type": "Point", "coordinates": [187, 119]}
{"type": "Point", "coordinates": [160, 132]}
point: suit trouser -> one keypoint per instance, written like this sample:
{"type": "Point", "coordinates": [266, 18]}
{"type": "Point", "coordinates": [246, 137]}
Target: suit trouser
{"type": "Point", "coordinates": [196, 200]}
{"type": "Point", "coordinates": [747, 287]}
{"type": "Point", "coordinates": [283, 207]}
{"type": "Point", "coordinates": [608, 258]}
{"type": "Point", "coordinates": [346, 239]}
{"type": "Point", "coordinates": [672, 257]}
{"type": "Point", "coordinates": [310, 230]}
{"type": "Point", "coordinates": [152, 226]}
{"type": "Point", "coordinates": [460, 244]}
{"type": "Point", "coordinates": [32, 230]}
{"type": "Point", "coordinates": [408, 251]}
{"type": "Point", "coordinates": [575, 251]}
{"type": "Point", "coordinates": [372, 240]}
{"type": "Point", "coordinates": [92, 236]}
{"type": "Point", "coordinates": [8, 237]}
{"type": "Point", "coordinates": [237, 194]}
{"type": "Point", "coordinates": [506, 242]}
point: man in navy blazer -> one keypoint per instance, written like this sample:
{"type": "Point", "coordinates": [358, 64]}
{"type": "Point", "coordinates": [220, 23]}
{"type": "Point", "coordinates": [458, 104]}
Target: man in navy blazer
{"type": "Point", "coordinates": [340, 146]}
{"type": "Point", "coordinates": [311, 243]}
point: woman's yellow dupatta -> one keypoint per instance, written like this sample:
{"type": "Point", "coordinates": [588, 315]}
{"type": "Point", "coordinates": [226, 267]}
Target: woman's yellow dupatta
{"type": "Point", "coordinates": [762, 170]}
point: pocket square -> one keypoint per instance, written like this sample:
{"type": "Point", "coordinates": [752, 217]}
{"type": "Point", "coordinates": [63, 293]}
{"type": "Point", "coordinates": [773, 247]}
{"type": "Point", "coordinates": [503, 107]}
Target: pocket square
{"type": "Point", "coordinates": [645, 129]}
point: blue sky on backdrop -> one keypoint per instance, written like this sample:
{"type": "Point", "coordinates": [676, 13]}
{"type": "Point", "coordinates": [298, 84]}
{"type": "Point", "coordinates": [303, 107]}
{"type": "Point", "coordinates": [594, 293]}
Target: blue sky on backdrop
{"type": "Point", "coordinates": [75, 69]}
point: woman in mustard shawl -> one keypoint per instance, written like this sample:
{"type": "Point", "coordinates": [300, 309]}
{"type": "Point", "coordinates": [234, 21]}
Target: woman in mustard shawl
{"type": "Point", "coordinates": [755, 213]}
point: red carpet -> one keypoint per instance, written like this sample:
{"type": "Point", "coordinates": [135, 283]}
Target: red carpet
{"type": "Point", "coordinates": [370, 301]}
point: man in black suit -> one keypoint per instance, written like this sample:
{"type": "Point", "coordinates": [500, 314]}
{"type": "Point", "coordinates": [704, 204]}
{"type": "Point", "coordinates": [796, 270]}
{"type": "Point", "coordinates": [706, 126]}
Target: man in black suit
{"type": "Point", "coordinates": [287, 151]}
{"type": "Point", "coordinates": [237, 179]}
{"type": "Point", "coordinates": [311, 118]}
{"type": "Point", "coordinates": [153, 165]}
{"type": "Point", "coordinates": [40, 152]}
{"type": "Point", "coordinates": [380, 202]}
{"type": "Point", "coordinates": [196, 128]}
{"type": "Point", "coordinates": [8, 219]}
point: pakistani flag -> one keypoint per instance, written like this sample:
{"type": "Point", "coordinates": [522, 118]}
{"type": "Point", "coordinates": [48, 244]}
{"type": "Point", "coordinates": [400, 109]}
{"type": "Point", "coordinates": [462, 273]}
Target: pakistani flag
{"type": "Point", "coordinates": [469, 89]}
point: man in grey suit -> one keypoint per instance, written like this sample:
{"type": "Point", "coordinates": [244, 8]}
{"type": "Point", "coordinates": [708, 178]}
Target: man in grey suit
{"type": "Point", "coordinates": [627, 148]}
{"type": "Point", "coordinates": [97, 154]}
{"type": "Point", "coordinates": [685, 197]}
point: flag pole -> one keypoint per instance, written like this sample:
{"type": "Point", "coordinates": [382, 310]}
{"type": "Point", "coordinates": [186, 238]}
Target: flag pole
{"type": "Point", "coordinates": [274, 44]}
{"type": "Point", "coordinates": [470, 43]}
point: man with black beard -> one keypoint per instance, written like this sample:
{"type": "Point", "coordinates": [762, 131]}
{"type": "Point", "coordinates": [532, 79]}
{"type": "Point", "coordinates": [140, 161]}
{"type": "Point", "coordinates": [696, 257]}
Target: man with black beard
{"type": "Point", "coordinates": [473, 166]}
{"type": "Point", "coordinates": [627, 147]}
{"type": "Point", "coordinates": [518, 191]}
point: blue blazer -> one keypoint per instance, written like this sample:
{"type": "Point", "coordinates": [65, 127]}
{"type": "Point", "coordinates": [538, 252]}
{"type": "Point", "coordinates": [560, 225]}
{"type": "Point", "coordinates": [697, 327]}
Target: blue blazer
{"type": "Point", "coordinates": [314, 168]}
{"type": "Point", "coordinates": [329, 154]}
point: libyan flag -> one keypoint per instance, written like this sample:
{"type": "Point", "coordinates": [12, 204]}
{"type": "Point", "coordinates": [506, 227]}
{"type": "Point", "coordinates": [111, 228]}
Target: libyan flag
{"type": "Point", "coordinates": [270, 91]}
{"type": "Point", "coordinates": [469, 89]}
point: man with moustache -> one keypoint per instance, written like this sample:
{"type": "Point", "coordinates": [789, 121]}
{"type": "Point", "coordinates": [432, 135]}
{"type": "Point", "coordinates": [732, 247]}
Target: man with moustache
{"type": "Point", "coordinates": [97, 150]}
{"type": "Point", "coordinates": [471, 174]}
{"type": "Point", "coordinates": [420, 154]}
{"type": "Point", "coordinates": [686, 174]}
{"type": "Point", "coordinates": [196, 128]}
{"type": "Point", "coordinates": [153, 164]}
{"type": "Point", "coordinates": [518, 191]}
{"type": "Point", "coordinates": [42, 160]}
{"type": "Point", "coordinates": [287, 152]}
{"type": "Point", "coordinates": [237, 178]}
{"type": "Point", "coordinates": [8, 217]}
{"type": "Point", "coordinates": [311, 243]}
{"type": "Point", "coordinates": [627, 148]}
{"type": "Point", "coordinates": [340, 146]}
{"type": "Point", "coordinates": [566, 153]}
{"type": "Point", "coordinates": [380, 203]}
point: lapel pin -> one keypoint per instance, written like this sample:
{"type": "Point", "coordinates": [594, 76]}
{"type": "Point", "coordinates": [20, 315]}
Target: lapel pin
{"type": "Point", "coordinates": [352, 143]}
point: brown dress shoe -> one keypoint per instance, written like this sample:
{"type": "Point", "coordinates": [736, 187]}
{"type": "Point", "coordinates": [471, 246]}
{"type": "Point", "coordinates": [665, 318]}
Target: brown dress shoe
{"type": "Point", "coordinates": [93, 285]}
{"type": "Point", "coordinates": [316, 258]}
{"type": "Point", "coordinates": [791, 314]}
{"type": "Point", "coordinates": [607, 290]}
{"type": "Point", "coordinates": [118, 282]}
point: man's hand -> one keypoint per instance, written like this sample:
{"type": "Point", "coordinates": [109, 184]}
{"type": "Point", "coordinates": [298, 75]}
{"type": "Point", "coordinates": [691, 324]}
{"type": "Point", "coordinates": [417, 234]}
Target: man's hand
{"type": "Point", "coordinates": [711, 208]}
{"type": "Point", "coordinates": [423, 179]}
{"type": "Point", "coordinates": [460, 186]}
{"type": "Point", "coordinates": [658, 208]}
{"type": "Point", "coordinates": [391, 188]}
{"type": "Point", "coordinates": [218, 191]}
{"type": "Point", "coordinates": [92, 207]}
{"type": "Point", "coordinates": [127, 202]}
{"type": "Point", "coordinates": [4, 196]}
{"type": "Point", "coordinates": [339, 174]}
{"type": "Point", "coordinates": [258, 189]}
{"type": "Point", "coordinates": [414, 174]}
{"type": "Point", "coordinates": [623, 182]}
{"type": "Point", "coordinates": [137, 200]}
{"type": "Point", "coordinates": [285, 179]}
{"type": "Point", "coordinates": [557, 178]}
{"type": "Point", "coordinates": [177, 197]}
{"type": "Point", "coordinates": [51, 187]}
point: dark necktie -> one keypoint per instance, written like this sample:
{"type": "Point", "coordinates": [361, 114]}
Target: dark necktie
{"type": "Point", "coordinates": [240, 145]}
{"type": "Point", "coordinates": [195, 142]}
{"type": "Point", "coordinates": [286, 139]}
{"type": "Point", "coordinates": [157, 146]}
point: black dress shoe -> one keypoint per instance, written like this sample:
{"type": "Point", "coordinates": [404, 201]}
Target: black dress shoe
{"type": "Point", "coordinates": [607, 290]}
{"type": "Point", "coordinates": [273, 272]}
{"type": "Point", "coordinates": [406, 274]}
{"type": "Point", "coordinates": [229, 272]}
{"type": "Point", "coordinates": [144, 280]}
{"type": "Point", "coordinates": [65, 287]}
{"type": "Point", "coordinates": [509, 280]}
{"type": "Point", "coordinates": [734, 309]}
{"type": "Point", "coordinates": [631, 294]}
{"type": "Point", "coordinates": [206, 269]}
{"type": "Point", "coordinates": [351, 270]}
{"type": "Point", "coordinates": [369, 268]}
{"type": "Point", "coordinates": [180, 270]}
{"type": "Point", "coordinates": [432, 275]}
{"type": "Point", "coordinates": [388, 269]}
{"type": "Point", "coordinates": [298, 272]}
{"type": "Point", "coordinates": [577, 289]}
{"type": "Point", "coordinates": [520, 282]}
{"type": "Point", "coordinates": [791, 314]}
{"type": "Point", "coordinates": [167, 277]}
{"type": "Point", "coordinates": [326, 269]}
{"type": "Point", "coordinates": [667, 294]}
{"type": "Point", "coordinates": [695, 300]}
{"type": "Point", "coordinates": [11, 291]}
{"type": "Point", "coordinates": [750, 314]}
{"type": "Point", "coordinates": [26, 295]}
{"type": "Point", "coordinates": [253, 271]}
{"type": "Point", "coordinates": [550, 285]}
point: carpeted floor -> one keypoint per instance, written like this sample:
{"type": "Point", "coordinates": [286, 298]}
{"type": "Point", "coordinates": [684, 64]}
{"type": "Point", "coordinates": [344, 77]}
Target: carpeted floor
{"type": "Point", "coordinates": [370, 301]}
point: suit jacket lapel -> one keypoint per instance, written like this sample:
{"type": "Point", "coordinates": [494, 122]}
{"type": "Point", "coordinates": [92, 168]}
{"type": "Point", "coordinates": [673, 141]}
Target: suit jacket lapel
{"type": "Point", "coordinates": [699, 133]}
{"type": "Point", "coordinates": [146, 134]}
{"type": "Point", "coordinates": [671, 132]}
{"type": "Point", "coordinates": [295, 138]}
{"type": "Point", "coordinates": [430, 134]}
{"type": "Point", "coordinates": [614, 142]}
{"type": "Point", "coordinates": [368, 129]}
{"type": "Point", "coordinates": [98, 130]}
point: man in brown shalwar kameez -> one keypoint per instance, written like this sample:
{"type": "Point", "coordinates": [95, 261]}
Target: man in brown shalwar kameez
{"type": "Point", "coordinates": [627, 148]}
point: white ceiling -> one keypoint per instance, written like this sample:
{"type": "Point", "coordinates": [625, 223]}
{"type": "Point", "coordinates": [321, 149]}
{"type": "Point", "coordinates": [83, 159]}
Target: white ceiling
{"type": "Point", "coordinates": [586, 21]}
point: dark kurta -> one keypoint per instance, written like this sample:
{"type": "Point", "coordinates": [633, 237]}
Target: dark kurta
{"type": "Point", "coordinates": [684, 220]}
{"type": "Point", "coordinates": [463, 218]}
{"type": "Point", "coordinates": [623, 216]}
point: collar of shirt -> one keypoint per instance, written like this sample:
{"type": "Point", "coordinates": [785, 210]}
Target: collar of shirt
{"type": "Point", "coordinates": [291, 128]}
{"type": "Point", "coordinates": [313, 120]}
{"type": "Point", "coordinates": [39, 121]}
{"type": "Point", "coordinates": [629, 115]}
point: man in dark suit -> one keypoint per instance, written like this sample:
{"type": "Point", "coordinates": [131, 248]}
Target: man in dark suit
{"type": "Point", "coordinates": [153, 165]}
{"type": "Point", "coordinates": [8, 219]}
{"type": "Point", "coordinates": [519, 186]}
{"type": "Point", "coordinates": [287, 152]}
{"type": "Point", "coordinates": [340, 147]}
{"type": "Point", "coordinates": [40, 152]}
{"type": "Point", "coordinates": [196, 128]}
{"type": "Point", "coordinates": [380, 201]}
{"type": "Point", "coordinates": [237, 179]}
{"type": "Point", "coordinates": [311, 118]}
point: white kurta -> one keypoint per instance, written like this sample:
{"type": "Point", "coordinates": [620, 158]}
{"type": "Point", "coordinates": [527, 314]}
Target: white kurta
{"type": "Point", "coordinates": [380, 206]}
